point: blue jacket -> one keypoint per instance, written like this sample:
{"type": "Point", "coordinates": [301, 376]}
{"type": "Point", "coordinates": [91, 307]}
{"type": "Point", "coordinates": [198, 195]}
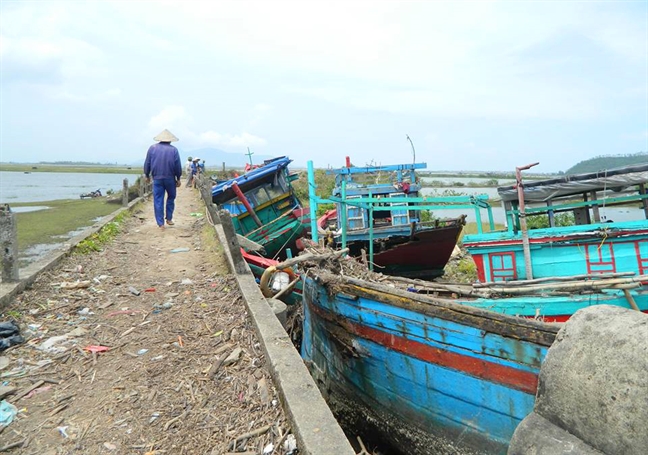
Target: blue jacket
{"type": "Point", "coordinates": [163, 162]}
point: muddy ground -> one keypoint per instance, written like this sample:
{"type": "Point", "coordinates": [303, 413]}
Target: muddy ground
{"type": "Point", "coordinates": [179, 369]}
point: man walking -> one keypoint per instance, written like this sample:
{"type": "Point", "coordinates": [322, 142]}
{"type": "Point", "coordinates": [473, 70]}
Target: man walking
{"type": "Point", "coordinates": [163, 164]}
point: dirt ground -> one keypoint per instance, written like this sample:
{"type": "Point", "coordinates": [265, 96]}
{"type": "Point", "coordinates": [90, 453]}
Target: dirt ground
{"type": "Point", "coordinates": [183, 372]}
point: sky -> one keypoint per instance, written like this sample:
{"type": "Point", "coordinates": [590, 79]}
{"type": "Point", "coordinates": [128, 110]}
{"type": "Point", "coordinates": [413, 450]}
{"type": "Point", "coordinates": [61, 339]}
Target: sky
{"type": "Point", "coordinates": [484, 86]}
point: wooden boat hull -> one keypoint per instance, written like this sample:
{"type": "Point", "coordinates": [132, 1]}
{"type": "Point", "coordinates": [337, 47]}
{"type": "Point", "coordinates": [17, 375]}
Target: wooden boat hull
{"type": "Point", "coordinates": [430, 377]}
{"type": "Point", "coordinates": [422, 256]}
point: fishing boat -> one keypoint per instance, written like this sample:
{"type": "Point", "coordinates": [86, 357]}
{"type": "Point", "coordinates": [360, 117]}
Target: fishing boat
{"type": "Point", "coordinates": [267, 215]}
{"type": "Point", "coordinates": [375, 214]}
{"type": "Point", "coordinates": [433, 367]}
{"type": "Point", "coordinates": [553, 271]}
{"type": "Point", "coordinates": [420, 373]}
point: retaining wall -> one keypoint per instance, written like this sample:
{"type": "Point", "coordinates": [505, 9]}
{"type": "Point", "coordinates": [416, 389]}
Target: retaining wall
{"type": "Point", "coordinates": [312, 422]}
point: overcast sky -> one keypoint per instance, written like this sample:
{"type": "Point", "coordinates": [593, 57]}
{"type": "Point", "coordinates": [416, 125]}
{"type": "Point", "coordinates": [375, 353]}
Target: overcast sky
{"type": "Point", "coordinates": [476, 85]}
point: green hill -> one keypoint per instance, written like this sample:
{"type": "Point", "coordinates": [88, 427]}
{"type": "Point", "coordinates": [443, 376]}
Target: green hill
{"type": "Point", "coordinates": [601, 163]}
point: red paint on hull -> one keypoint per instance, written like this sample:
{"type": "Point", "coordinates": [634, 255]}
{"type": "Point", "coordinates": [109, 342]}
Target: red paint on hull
{"type": "Point", "coordinates": [490, 371]}
{"type": "Point", "coordinates": [431, 249]}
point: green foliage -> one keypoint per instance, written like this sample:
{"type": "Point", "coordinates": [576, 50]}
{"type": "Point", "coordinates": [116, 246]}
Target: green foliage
{"type": "Point", "coordinates": [324, 184]}
{"type": "Point", "coordinates": [601, 163]}
{"type": "Point", "coordinates": [461, 270]}
{"type": "Point", "coordinates": [96, 241]}
{"type": "Point", "coordinates": [542, 220]}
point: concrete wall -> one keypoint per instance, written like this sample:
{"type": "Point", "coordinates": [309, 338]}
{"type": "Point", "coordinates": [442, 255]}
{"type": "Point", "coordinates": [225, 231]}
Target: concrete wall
{"type": "Point", "coordinates": [593, 388]}
{"type": "Point", "coordinates": [311, 420]}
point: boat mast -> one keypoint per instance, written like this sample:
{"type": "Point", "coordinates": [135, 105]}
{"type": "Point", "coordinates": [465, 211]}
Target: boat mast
{"type": "Point", "coordinates": [523, 223]}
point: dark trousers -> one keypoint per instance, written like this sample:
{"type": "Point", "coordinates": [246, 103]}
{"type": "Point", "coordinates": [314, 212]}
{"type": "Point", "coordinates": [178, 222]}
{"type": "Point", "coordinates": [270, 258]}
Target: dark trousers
{"type": "Point", "coordinates": [160, 187]}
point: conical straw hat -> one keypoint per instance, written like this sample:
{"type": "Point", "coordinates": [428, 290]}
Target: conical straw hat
{"type": "Point", "coordinates": [165, 136]}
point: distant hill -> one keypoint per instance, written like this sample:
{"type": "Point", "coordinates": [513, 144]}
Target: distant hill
{"type": "Point", "coordinates": [601, 163]}
{"type": "Point", "coordinates": [216, 157]}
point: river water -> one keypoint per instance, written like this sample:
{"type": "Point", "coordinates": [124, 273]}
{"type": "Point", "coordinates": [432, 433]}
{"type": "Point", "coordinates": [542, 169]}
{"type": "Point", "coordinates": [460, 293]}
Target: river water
{"type": "Point", "coordinates": [16, 187]}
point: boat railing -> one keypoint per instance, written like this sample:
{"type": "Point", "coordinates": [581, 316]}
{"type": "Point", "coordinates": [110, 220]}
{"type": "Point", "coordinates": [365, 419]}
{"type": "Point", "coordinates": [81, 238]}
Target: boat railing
{"type": "Point", "coordinates": [372, 203]}
{"type": "Point", "coordinates": [513, 212]}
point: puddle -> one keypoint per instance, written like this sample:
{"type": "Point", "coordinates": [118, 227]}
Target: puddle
{"type": "Point", "coordinates": [35, 252]}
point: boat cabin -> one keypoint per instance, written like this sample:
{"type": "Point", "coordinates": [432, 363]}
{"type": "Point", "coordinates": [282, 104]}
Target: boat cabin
{"type": "Point", "coordinates": [587, 244]}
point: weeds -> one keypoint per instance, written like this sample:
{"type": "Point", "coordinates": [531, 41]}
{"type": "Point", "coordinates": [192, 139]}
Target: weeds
{"type": "Point", "coordinates": [96, 241]}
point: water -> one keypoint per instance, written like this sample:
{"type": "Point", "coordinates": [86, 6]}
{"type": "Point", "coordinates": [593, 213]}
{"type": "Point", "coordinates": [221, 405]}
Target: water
{"type": "Point", "coordinates": [16, 187]}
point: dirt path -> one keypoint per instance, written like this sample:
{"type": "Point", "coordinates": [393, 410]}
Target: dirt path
{"type": "Point", "coordinates": [184, 373]}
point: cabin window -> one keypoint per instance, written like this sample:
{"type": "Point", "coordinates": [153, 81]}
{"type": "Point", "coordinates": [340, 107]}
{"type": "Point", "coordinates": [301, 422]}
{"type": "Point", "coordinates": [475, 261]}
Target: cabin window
{"type": "Point", "coordinates": [258, 195]}
{"type": "Point", "coordinates": [600, 258]}
{"type": "Point", "coordinates": [399, 217]}
{"type": "Point", "coordinates": [355, 215]}
{"type": "Point", "coordinates": [502, 266]}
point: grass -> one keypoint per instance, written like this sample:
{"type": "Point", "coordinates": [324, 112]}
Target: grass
{"type": "Point", "coordinates": [63, 217]}
{"type": "Point", "coordinates": [96, 241]}
{"type": "Point", "coordinates": [211, 245]}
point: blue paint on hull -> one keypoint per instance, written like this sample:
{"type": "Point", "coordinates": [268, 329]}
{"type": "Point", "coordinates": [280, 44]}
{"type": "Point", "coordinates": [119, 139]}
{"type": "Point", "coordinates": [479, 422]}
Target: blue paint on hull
{"type": "Point", "coordinates": [448, 406]}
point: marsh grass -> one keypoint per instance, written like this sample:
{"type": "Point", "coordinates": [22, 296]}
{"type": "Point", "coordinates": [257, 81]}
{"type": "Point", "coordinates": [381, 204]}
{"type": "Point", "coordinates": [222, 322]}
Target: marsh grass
{"type": "Point", "coordinates": [62, 217]}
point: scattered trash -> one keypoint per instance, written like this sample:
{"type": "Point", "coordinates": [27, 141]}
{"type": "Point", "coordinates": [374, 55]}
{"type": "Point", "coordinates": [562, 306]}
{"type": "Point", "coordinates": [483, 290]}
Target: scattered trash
{"type": "Point", "coordinates": [142, 351]}
{"type": "Point", "coordinates": [9, 335]}
{"type": "Point", "coordinates": [196, 214]}
{"type": "Point", "coordinates": [290, 445]}
{"type": "Point", "coordinates": [74, 285]}
{"type": "Point", "coordinates": [49, 345]}
{"type": "Point", "coordinates": [154, 417]}
{"type": "Point", "coordinates": [93, 348]}
{"type": "Point", "coordinates": [233, 357]}
{"type": "Point", "coordinates": [164, 306]}
{"type": "Point", "coordinates": [85, 312]}
{"type": "Point", "coordinates": [63, 431]}
{"type": "Point", "coordinates": [39, 390]}
{"type": "Point", "coordinates": [267, 450]}
{"type": "Point", "coordinates": [156, 358]}
{"type": "Point", "coordinates": [186, 281]}
{"type": "Point", "coordinates": [78, 332]}
{"type": "Point", "coordinates": [179, 250]}
{"type": "Point", "coordinates": [7, 413]}
{"type": "Point", "coordinates": [133, 291]}
{"type": "Point", "coordinates": [149, 290]}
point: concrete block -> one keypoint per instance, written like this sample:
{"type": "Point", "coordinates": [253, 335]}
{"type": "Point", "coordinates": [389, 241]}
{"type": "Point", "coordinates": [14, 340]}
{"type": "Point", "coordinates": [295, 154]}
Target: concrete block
{"type": "Point", "coordinates": [537, 436]}
{"type": "Point", "coordinates": [280, 310]}
{"type": "Point", "coordinates": [593, 383]}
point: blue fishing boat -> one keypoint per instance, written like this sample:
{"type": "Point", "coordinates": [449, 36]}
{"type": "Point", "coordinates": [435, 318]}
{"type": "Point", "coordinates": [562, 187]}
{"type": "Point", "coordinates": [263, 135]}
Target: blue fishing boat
{"type": "Point", "coordinates": [426, 375]}
{"type": "Point", "coordinates": [268, 218]}
{"type": "Point", "coordinates": [264, 207]}
{"type": "Point", "coordinates": [565, 267]}
{"type": "Point", "coordinates": [447, 368]}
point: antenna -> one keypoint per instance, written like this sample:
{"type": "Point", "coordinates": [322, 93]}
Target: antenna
{"type": "Point", "coordinates": [413, 149]}
{"type": "Point", "coordinates": [249, 154]}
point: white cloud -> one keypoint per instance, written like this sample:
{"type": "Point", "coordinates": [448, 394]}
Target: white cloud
{"type": "Point", "coordinates": [180, 123]}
